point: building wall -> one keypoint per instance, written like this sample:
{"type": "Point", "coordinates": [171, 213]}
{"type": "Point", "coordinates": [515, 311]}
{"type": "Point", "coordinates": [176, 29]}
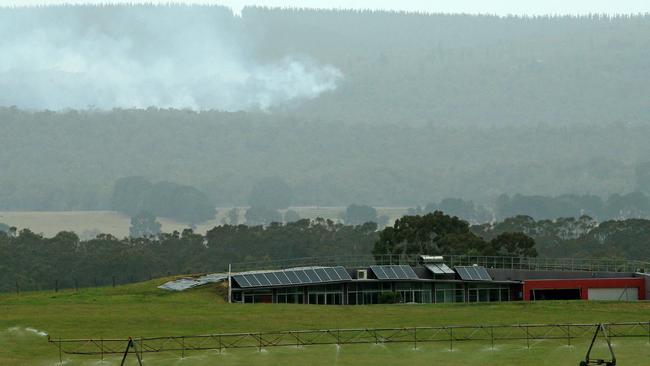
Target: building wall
{"type": "Point", "coordinates": [584, 284]}
{"type": "Point", "coordinates": [499, 274]}
{"type": "Point", "coordinates": [647, 284]}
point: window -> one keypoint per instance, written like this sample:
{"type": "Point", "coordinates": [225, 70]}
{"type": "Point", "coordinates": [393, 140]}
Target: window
{"type": "Point", "coordinates": [290, 295]}
{"type": "Point", "coordinates": [325, 295]}
{"type": "Point", "coordinates": [488, 293]}
{"type": "Point", "coordinates": [450, 292]}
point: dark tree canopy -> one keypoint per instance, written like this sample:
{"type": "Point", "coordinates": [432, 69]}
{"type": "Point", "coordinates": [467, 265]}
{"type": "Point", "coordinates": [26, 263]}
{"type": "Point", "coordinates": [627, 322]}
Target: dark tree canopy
{"type": "Point", "coordinates": [440, 234]}
{"type": "Point", "coordinates": [514, 244]}
{"type": "Point", "coordinates": [433, 233]}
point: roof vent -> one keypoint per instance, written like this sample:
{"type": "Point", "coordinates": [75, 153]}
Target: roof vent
{"type": "Point", "coordinates": [362, 274]}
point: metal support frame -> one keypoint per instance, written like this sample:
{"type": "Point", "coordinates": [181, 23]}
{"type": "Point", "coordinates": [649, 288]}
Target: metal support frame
{"type": "Point", "coordinates": [131, 345]}
{"type": "Point", "coordinates": [600, 328]}
{"type": "Point", "coordinates": [450, 335]}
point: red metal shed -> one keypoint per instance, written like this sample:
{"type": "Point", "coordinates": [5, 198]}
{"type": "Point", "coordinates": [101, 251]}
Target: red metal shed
{"type": "Point", "coordinates": [581, 288]}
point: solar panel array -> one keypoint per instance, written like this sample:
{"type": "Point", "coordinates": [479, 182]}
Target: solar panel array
{"type": "Point", "coordinates": [394, 272]}
{"type": "Point", "coordinates": [473, 273]}
{"type": "Point", "coordinates": [291, 277]}
{"type": "Point", "coordinates": [439, 268]}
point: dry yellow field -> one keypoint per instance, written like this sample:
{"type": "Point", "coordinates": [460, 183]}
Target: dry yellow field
{"type": "Point", "coordinates": [87, 224]}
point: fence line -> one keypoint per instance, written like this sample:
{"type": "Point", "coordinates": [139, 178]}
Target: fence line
{"type": "Point", "coordinates": [449, 335]}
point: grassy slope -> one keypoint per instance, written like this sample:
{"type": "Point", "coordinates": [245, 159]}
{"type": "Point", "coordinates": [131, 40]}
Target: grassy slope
{"type": "Point", "coordinates": [143, 310]}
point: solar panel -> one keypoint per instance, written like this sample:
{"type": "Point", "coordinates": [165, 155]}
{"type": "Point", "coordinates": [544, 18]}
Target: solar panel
{"type": "Point", "coordinates": [322, 274]}
{"type": "Point", "coordinates": [390, 272]}
{"type": "Point", "coordinates": [292, 277]}
{"type": "Point", "coordinates": [483, 274]}
{"type": "Point", "coordinates": [303, 276]}
{"type": "Point", "coordinates": [273, 278]}
{"type": "Point", "coordinates": [410, 273]}
{"type": "Point", "coordinates": [252, 280]}
{"type": "Point", "coordinates": [343, 273]}
{"type": "Point", "coordinates": [331, 272]}
{"type": "Point", "coordinates": [473, 273]}
{"type": "Point", "coordinates": [445, 268]}
{"type": "Point", "coordinates": [379, 272]}
{"type": "Point", "coordinates": [282, 276]}
{"type": "Point", "coordinates": [262, 279]}
{"type": "Point", "coordinates": [394, 272]}
{"type": "Point", "coordinates": [241, 280]}
{"type": "Point", "coordinates": [439, 268]}
{"type": "Point", "coordinates": [313, 277]}
{"type": "Point", "coordinates": [434, 268]}
{"type": "Point", "coordinates": [462, 272]}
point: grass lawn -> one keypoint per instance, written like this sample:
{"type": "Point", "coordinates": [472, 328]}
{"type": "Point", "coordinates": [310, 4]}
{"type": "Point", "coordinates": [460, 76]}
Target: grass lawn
{"type": "Point", "coordinates": [143, 310]}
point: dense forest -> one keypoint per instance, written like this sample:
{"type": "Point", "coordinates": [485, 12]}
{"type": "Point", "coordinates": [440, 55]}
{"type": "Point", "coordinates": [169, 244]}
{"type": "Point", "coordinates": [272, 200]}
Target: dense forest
{"type": "Point", "coordinates": [428, 107]}
{"type": "Point", "coordinates": [36, 262]}
{"type": "Point", "coordinates": [71, 160]}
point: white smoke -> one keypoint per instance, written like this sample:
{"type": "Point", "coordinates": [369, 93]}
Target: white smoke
{"type": "Point", "coordinates": [139, 56]}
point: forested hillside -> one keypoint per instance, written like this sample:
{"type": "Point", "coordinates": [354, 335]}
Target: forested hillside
{"type": "Point", "coordinates": [71, 160]}
{"type": "Point", "coordinates": [427, 107]}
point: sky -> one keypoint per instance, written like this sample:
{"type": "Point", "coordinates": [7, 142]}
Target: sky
{"type": "Point", "coordinates": [499, 7]}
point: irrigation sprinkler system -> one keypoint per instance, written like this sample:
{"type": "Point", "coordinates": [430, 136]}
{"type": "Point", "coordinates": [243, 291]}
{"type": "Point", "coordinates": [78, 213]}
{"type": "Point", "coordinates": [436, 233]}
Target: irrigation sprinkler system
{"type": "Point", "coordinates": [599, 361]}
{"type": "Point", "coordinates": [448, 335]}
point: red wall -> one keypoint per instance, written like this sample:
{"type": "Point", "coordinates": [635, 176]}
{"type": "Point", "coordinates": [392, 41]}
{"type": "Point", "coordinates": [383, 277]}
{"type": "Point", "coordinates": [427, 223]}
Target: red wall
{"type": "Point", "coordinates": [584, 284]}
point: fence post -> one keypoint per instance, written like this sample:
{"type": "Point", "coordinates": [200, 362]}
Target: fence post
{"type": "Point", "coordinates": [56, 285]}
{"type": "Point", "coordinates": [451, 339]}
{"type": "Point", "coordinates": [568, 334]}
{"type": "Point", "coordinates": [415, 338]}
{"type": "Point", "coordinates": [527, 338]}
{"type": "Point", "coordinates": [17, 287]}
{"type": "Point", "coordinates": [113, 281]}
{"type": "Point", "coordinates": [492, 335]}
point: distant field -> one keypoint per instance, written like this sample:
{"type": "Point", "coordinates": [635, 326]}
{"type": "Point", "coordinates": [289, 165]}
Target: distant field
{"type": "Point", "coordinates": [143, 310]}
{"type": "Point", "coordinates": [88, 223]}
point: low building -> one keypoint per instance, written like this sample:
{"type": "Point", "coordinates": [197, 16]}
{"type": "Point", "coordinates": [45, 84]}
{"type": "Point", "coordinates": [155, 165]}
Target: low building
{"type": "Point", "coordinates": [431, 281]}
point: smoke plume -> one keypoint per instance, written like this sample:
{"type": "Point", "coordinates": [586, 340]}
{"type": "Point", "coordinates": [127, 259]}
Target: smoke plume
{"type": "Point", "coordinates": [107, 57]}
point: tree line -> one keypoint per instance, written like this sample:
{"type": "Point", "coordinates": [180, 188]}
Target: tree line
{"type": "Point", "coordinates": [37, 262]}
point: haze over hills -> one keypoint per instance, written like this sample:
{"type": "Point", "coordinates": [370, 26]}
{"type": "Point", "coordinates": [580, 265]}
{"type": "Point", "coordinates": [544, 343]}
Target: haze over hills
{"type": "Point", "coordinates": [345, 106]}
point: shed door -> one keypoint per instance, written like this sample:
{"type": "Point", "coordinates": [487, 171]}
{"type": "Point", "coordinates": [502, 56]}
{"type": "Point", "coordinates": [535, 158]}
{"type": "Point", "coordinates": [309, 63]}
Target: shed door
{"type": "Point", "coordinates": [616, 294]}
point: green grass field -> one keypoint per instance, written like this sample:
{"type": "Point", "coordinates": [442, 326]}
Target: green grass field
{"type": "Point", "coordinates": [143, 310]}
